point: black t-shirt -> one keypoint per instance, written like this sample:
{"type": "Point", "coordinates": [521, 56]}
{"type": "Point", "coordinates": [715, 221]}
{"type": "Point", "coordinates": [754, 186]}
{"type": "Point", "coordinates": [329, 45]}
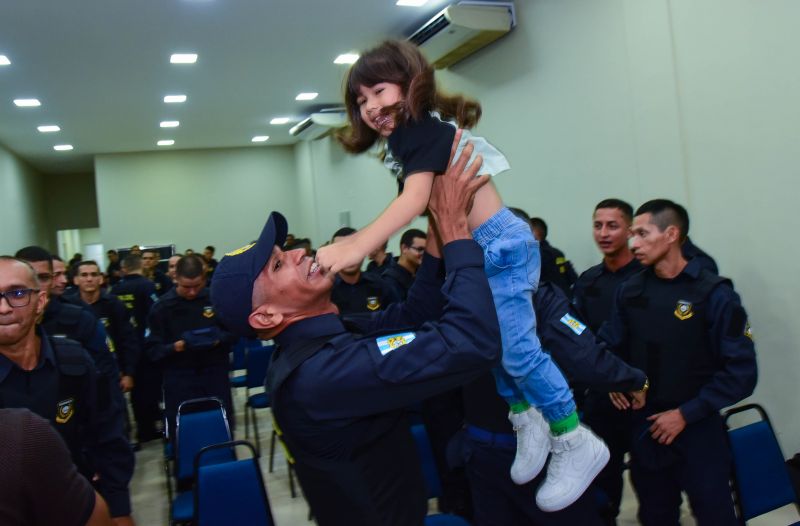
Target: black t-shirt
{"type": "Point", "coordinates": [40, 484]}
{"type": "Point", "coordinates": [423, 145]}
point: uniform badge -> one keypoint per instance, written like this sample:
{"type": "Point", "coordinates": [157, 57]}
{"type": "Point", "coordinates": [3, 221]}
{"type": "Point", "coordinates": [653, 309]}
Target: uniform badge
{"type": "Point", "coordinates": [208, 312]}
{"type": "Point", "coordinates": [373, 303]}
{"type": "Point", "coordinates": [683, 310]}
{"type": "Point", "coordinates": [748, 331]}
{"type": "Point", "coordinates": [576, 326]}
{"type": "Point", "coordinates": [387, 344]}
{"type": "Point", "coordinates": [106, 322]}
{"type": "Point", "coordinates": [64, 410]}
{"type": "Point", "coordinates": [240, 250]}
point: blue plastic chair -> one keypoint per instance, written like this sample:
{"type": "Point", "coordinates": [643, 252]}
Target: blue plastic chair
{"type": "Point", "coordinates": [200, 422]}
{"type": "Point", "coordinates": [761, 479]}
{"type": "Point", "coordinates": [239, 363]}
{"type": "Point", "coordinates": [230, 492]}
{"type": "Point", "coordinates": [258, 359]}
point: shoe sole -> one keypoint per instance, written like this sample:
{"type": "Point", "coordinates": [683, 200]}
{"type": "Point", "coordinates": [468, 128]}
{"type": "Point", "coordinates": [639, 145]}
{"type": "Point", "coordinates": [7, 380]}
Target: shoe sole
{"type": "Point", "coordinates": [597, 467]}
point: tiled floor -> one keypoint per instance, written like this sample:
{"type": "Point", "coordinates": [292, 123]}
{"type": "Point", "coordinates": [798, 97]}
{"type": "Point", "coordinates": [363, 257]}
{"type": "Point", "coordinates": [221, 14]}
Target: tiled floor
{"type": "Point", "coordinates": [151, 507]}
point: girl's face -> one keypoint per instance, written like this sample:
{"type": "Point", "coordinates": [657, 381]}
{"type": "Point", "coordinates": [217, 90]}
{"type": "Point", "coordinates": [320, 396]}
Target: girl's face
{"type": "Point", "coordinates": [372, 99]}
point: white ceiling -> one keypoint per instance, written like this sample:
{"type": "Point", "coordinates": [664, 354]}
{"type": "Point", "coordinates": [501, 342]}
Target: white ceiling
{"type": "Point", "coordinates": [101, 69]}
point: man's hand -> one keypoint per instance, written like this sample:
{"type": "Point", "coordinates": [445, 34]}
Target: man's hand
{"type": "Point", "coordinates": [125, 383]}
{"type": "Point", "coordinates": [452, 195]}
{"type": "Point", "coordinates": [179, 346]}
{"type": "Point", "coordinates": [667, 425]}
{"type": "Point", "coordinates": [633, 400]}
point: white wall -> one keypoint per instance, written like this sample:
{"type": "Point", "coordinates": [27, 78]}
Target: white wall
{"type": "Point", "coordinates": [693, 101]}
{"type": "Point", "coordinates": [193, 198]}
{"type": "Point", "coordinates": [22, 220]}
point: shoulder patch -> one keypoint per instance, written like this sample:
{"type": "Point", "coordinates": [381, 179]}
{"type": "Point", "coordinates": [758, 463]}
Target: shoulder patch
{"type": "Point", "coordinates": [390, 342]}
{"type": "Point", "coordinates": [576, 326]}
{"type": "Point", "coordinates": [64, 410]}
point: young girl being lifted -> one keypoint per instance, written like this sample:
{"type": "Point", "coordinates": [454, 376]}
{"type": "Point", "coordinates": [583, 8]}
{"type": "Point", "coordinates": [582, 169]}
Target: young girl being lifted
{"type": "Point", "coordinates": [391, 97]}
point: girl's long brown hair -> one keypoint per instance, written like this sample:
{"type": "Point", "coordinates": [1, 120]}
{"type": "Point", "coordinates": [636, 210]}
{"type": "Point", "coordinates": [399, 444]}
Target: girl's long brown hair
{"type": "Point", "coordinates": [400, 63]}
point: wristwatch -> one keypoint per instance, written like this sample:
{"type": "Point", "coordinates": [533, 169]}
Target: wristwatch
{"type": "Point", "coordinates": [646, 385]}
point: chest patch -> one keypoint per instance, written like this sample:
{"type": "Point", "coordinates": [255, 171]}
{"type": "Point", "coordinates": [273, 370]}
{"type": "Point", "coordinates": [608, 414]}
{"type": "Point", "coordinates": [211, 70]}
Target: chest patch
{"type": "Point", "coordinates": [684, 310]}
{"type": "Point", "coordinates": [208, 311]}
{"type": "Point", "coordinates": [389, 343]}
{"type": "Point", "coordinates": [373, 303]}
{"type": "Point", "coordinates": [64, 410]}
{"type": "Point", "coordinates": [574, 325]}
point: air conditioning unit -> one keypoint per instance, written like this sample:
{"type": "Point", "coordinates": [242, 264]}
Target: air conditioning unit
{"type": "Point", "coordinates": [459, 30]}
{"type": "Point", "coordinates": [317, 125]}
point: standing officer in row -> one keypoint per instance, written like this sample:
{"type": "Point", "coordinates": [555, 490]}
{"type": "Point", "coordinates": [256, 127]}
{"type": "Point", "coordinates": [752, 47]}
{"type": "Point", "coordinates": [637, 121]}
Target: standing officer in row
{"type": "Point", "coordinates": [138, 293]}
{"type": "Point", "coordinates": [686, 328]}
{"type": "Point", "coordinates": [593, 299]}
{"type": "Point", "coordinates": [150, 270]}
{"type": "Point", "coordinates": [186, 341]}
{"type": "Point", "coordinates": [56, 379]}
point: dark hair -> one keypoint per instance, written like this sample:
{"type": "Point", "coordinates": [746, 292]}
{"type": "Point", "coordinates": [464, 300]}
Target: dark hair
{"type": "Point", "coordinates": [520, 213]}
{"type": "Point", "coordinates": [111, 251]}
{"type": "Point", "coordinates": [666, 213]}
{"type": "Point", "coordinates": [80, 264]}
{"type": "Point", "coordinates": [211, 248]}
{"type": "Point", "coordinates": [190, 267]}
{"type": "Point", "coordinates": [408, 236]}
{"type": "Point", "coordinates": [401, 63]}
{"type": "Point", "coordinates": [27, 264]}
{"type": "Point", "coordinates": [619, 204]}
{"type": "Point", "coordinates": [538, 222]}
{"type": "Point", "coordinates": [56, 257]}
{"type": "Point", "coordinates": [151, 251]}
{"type": "Point", "coordinates": [34, 254]}
{"type": "Point", "coordinates": [132, 262]}
{"type": "Point", "coordinates": [342, 232]}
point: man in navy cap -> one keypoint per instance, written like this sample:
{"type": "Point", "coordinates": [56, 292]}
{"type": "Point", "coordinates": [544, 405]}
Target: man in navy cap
{"type": "Point", "coordinates": [340, 387]}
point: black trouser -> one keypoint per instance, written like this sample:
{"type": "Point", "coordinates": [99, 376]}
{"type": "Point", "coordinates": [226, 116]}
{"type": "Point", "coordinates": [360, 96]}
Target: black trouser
{"type": "Point", "coordinates": [497, 501]}
{"type": "Point", "coordinates": [145, 396]}
{"type": "Point", "coordinates": [698, 462]}
{"type": "Point", "coordinates": [614, 427]}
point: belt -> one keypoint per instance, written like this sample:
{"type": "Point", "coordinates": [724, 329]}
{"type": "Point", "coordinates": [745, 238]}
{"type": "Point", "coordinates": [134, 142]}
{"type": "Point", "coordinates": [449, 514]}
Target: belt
{"type": "Point", "coordinates": [492, 439]}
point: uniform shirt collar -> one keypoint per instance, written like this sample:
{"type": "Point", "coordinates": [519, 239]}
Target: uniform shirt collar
{"type": "Point", "coordinates": [46, 354]}
{"type": "Point", "coordinates": [692, 268]}
{"type": "Point", "coordinates": [310, 328]}
{"type": "Point", "coordinates": [630, 265]}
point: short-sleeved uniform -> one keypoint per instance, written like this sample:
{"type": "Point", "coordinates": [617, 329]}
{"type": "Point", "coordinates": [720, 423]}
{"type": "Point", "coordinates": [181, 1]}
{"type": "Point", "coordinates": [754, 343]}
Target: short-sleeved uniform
{"type": "Point", "coordinates": [512, 264]}
{"type": "Point", "coordinates": [343, 409]}
{"type": "Point", "coordinates": [41, 486]}
{"type": "Point", "coordinates": [691, 336]}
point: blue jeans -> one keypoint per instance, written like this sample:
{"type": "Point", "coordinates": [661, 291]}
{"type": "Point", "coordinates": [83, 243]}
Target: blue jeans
{"type": "Point", "coordinates": [512, 263]}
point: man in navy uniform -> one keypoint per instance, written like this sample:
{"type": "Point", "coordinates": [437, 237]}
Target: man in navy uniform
{"type": "Point", "coordinates": [340, 397]}
{"type": "Point", "coordinates": [56, 378]}
{"type": "Point", "coordinates": [687, 329]}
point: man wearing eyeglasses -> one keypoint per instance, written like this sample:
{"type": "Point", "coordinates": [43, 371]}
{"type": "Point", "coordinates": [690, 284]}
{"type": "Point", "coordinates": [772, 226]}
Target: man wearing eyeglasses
{"type": "Point", "coordinates": [399, 277]}
{"type": "Point", "coordinates": [56, 379]}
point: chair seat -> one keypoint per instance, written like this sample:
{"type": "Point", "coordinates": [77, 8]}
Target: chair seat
{"type": "Point", "coordinates": [183, 507]}
{"type": "Point", "coordinates": [239, 381]}
{"type": "Point", "coordinates": [258, 401]}
{"type": "Point", "coordinates": [445, 519]}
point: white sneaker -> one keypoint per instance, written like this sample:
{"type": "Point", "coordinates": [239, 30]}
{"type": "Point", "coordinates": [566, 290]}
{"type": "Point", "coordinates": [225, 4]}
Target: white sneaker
{"type": "Point", "coordinates": [533, 445]}
{"type": "Point", "coordinates": [578, 456]}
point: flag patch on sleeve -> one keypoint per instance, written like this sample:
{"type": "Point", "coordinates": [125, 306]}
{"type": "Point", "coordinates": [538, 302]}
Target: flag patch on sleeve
{"type": "Point", "coordinates": [390, 342]}
{"type": "Point", "coordinates": [576, 326]}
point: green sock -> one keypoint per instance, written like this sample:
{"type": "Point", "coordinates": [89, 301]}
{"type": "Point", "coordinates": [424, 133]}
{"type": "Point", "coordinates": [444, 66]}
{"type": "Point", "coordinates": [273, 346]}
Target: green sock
{"type": "Point", "coordinates": [519, 407]}
{"type": "Point", "coordinates": [565, 425]}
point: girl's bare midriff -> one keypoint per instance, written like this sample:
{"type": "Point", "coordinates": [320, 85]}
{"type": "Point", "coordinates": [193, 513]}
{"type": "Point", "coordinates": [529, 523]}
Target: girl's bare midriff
{"type": "Point", "coordinates": [487, 203]}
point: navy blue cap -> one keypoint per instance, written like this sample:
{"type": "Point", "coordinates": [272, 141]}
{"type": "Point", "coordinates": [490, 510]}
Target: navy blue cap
{"type": "Point", "coordinates": [232, 284]}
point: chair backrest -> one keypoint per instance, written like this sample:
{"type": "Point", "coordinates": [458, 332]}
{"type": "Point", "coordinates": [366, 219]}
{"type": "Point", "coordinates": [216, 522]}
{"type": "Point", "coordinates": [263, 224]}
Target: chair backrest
{"type": "Point", "coordinates": [239, 355]}
{"type": "Point", "coordinates": [257, 364]}
{"type": "Point", "coordinates": [445, 519]}
{"type": "Point", "coordinates": [425, 451]}
{"type": "Point", "coordinates": [231, 492]}
{"type": "Point", "coordinates": [201, 422]}
{"type": "Point", "coordinates": [761, 478]}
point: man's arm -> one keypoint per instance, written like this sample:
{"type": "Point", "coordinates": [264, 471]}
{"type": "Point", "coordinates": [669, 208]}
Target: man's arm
{"type": "Point", "coordinates": [158, 343]}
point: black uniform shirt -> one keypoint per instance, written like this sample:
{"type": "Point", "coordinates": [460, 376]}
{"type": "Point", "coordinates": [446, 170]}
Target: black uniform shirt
{"type": "Point", "coordinates": [342, 410]}
{"type": "Point", "coordinates": [368, 294]}
{"type": "Point", "coordinates": [556, 268]}
{"type": "Point", "coordinates": [137, 293]}
{"type": "Point", "coordinates": [398, 279]}
{"type": "Point", "coordinates": [593, 294]}
{"type": "Point", "coordinates": [389, 262]}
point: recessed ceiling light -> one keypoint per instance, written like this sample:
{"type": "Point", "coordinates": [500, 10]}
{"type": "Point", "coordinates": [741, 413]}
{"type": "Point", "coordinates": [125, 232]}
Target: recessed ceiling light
{"type": "Point", "coordinates": [346, 58]}
{"type": "Point", "coordinates": [170, 124]}
{"type": "Point", "coordinates": [4, 61]}
{"type": "Point", "coordinates": [174, 98]}
{"type": "Point", "coordinates": [62, 147]}
{"type": "Point", "coordinates": [279, 120]}
{"type": "Point", "coordinates": [412, 3]}
{"type": "Point", "coordinates": [260, 138]}
{"type": "Point", "coordinates": [49, 128]}
{"type": "Point", "coordinates": [27, 103]}
{"type": "Point", "coordinates": [306, 96]}
{"type": "Point", "coordinates": [165, 142]}
{"type": "Point", "coordinates": [183, 58]}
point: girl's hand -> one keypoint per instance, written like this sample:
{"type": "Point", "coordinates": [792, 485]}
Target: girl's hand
{"type": "Point", "coordinates": [340, 255]}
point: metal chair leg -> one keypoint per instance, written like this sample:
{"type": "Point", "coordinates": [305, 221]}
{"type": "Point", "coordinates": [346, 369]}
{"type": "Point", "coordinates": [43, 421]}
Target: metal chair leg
{"type": "Point", "coordinates": [291, 479]}
{"type": "Point", "coordinates": [255, 430]}
{"type": "Point", "coordinates": [272, 450]}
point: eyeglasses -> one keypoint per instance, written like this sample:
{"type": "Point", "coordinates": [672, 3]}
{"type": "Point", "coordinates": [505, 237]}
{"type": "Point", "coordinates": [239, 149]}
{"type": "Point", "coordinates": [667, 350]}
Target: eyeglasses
{"type": "Point", "coordinates": [19, 297]}
{"type": "Point", "coordinates": [418, 250]}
